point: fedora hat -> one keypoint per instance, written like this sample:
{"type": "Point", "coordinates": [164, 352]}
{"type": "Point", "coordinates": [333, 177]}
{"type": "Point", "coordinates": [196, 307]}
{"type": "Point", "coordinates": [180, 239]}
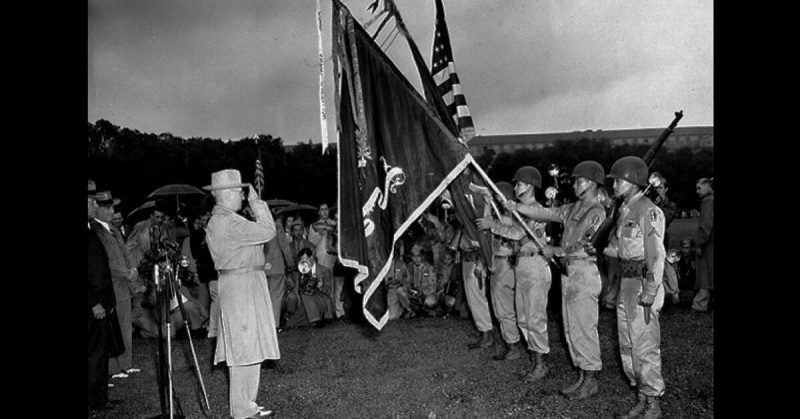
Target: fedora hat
{"type": "Point", "coordinates": [225, 179]}
{"type": "Point", "coordinates": [104, 199]}
{"type": "Point", "coordinates": [92, 188]}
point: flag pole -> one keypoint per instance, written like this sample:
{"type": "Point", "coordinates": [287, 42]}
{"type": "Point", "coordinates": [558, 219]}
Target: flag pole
{"type": "Point", "coordinates": [503, 199]}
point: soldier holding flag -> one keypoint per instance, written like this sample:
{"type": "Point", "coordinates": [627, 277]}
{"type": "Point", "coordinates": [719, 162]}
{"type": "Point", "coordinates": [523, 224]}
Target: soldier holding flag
{"type": "Point", "coordinates": [580, 287]}
{"type": "Point", "coordinates": [532, 273]}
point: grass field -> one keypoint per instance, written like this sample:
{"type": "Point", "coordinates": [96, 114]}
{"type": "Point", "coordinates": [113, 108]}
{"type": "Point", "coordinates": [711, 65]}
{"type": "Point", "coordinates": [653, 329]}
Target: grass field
{"type": "Point", "coordinates": [421, 368]}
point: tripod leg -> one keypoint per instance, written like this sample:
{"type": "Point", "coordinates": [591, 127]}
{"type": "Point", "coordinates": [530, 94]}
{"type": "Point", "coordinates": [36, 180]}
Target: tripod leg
{"type": "Point", "coordinates": [188, 325]}
{"type": "Point", "coordinates": [161, 356]}
{"type": "Point", "coordinates": [169, 363]}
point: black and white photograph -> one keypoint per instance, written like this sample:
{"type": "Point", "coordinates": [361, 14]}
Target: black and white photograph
{"type": "Point", "coordinates": [400, 209]}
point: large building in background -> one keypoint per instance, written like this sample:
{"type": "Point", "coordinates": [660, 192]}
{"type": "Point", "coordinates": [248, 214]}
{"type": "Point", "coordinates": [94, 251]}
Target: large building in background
{"type": "Point", "coordinates": [690, 137]}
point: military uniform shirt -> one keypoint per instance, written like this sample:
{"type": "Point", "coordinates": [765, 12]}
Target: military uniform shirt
{"type": "Point", "coordinates": [639, 235]}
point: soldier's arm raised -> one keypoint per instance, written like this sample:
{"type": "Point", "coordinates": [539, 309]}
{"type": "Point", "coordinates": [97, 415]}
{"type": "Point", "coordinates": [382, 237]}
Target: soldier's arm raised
{"type": "Point", "coordinates": [539, 213]}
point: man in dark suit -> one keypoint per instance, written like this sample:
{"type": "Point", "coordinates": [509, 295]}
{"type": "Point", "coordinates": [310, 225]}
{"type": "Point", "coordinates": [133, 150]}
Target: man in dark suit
{"type": "Point", "coordinates": [101, 300]}
{"type": "Point", "coordinates": [124, 277]}
{"type": "Point", "coordinates": [119, 222]}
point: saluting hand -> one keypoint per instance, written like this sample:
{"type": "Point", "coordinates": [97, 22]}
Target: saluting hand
{"type": "Point", "coordinates": [252, 196]}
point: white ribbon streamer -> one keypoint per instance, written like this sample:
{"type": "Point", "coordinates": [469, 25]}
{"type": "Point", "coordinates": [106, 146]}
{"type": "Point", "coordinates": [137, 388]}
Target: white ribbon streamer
{"type": "Point", "coordinates": [323, 117]}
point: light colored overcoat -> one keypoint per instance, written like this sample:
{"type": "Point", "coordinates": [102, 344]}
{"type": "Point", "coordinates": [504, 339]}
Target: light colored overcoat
{"type": "Point", "coordinates": [247, 332]}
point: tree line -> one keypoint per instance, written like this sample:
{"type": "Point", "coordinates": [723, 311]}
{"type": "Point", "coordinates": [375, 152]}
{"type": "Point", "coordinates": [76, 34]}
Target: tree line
{"type": "Point", "coordinates": [132, 164]}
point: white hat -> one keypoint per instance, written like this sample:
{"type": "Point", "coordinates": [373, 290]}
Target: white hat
{"type": "Point", "coordinates": [225, 179]}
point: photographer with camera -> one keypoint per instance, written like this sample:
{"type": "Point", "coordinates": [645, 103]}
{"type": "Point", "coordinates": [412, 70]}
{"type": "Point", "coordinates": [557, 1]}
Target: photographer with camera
{"type": "Point", "coordinates": [313, 284]}
{"type": "Point", "coordinates": [247, 333]}
{"type": "Point", "coordinates": [146, 234]}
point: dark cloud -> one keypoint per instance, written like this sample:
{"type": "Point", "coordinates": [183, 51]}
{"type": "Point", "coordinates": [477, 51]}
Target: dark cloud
{"type": "Point", "coordinates": [233, 69]}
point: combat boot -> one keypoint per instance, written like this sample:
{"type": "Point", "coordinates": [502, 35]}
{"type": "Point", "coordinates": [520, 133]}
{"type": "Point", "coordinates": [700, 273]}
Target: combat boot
{"type": "Point", "coordinates": [510, 352]}
{"type": "Point", "coordinates": [484, 341]}
{"type": "Point", "coordinates": [589, 387]}
{"type": "Point", "coordinates": [525, 371]}
{"type": "Point", "coordinates": [652, 409]}
{"type": "Point", "coordinates": [539, 371]}
{"type": "Point", "coordinates": [574, 386]}
{"type": "Point", "coordinates": [636, 410]}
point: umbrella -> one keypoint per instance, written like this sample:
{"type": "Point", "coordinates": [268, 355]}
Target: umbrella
{"type": "Point", "coordinates": [279, 202]}
{"type": "Point", "coordinates": [176, 189]}
{"type": "Point", "coordinates": [140, 210]}
{"type": "Point", "coordinates": [295, 208]}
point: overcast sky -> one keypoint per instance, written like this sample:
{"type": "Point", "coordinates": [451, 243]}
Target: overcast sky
{"type": "Point", "coordinates": [232, 69]}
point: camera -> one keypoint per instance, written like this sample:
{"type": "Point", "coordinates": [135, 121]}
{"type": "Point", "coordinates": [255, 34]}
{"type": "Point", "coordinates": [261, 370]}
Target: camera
{"type": "Point", "coordinates": [184, 275]}
{"type": "Point", "coordinates": [308, 283]}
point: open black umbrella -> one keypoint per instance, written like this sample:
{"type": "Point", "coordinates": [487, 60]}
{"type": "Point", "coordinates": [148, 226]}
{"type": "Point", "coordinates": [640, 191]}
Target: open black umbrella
{"type": "Point", "coordinates": [176, 189]}
{"type": "Point", "coordinates": [275, 203]}
{"type": "Point", "coordinates": [139, 212]}
{"type": "Point", "coordinates": [295, 208]}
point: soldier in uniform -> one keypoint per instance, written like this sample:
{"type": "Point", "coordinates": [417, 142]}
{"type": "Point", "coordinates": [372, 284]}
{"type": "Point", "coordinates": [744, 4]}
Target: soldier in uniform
{"type": "Point", "coordinates": [532, 272]}
{"type": "Point", "coordinates": [503, 284]}
{"type": "Point", "coordinates": [581, 283]}
{"type": "Point", "coordinates": [638, 242]}
{"type": "Point", "coordinates": [474, 273]}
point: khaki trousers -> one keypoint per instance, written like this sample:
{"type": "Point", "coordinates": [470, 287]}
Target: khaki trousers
{"type": "Point", "coordinates": [580, 292]}
{"type": "Point", "coordinates": [639, 343]}
{"type": "Point", "coordinates": [503, 299]}
{"type": "Point", "coordinates": [533, 284]}
{"type": "Point", "coordinates": [476, 298]}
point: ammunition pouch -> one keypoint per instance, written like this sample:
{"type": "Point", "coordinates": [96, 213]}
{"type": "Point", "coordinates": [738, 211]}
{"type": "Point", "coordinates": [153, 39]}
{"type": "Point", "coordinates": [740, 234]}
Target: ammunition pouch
{"type": "Point", "coordinates": [632, 268]}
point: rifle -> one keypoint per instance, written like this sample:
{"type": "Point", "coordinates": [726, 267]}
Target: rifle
{"type": "Point", "coordinates": [600, 238]}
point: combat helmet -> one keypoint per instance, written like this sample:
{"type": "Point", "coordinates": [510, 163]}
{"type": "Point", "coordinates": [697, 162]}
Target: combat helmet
{"type": "Point", "coordinates": [506, 189]}
{"type": "Point", "coordinates": [630, 168]}
{"type": "Point", "coordinates": [529, 175]}
{"type": "Point", "coordinates": [591, 170]}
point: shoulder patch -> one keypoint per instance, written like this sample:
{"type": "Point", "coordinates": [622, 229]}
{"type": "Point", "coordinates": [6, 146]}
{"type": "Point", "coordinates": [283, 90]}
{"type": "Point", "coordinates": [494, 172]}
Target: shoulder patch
{"type": "Point", "coordinates": [653, 214]}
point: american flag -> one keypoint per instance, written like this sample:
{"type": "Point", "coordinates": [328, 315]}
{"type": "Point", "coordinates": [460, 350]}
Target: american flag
{"type": "Point", "coordinates": [446, 78]}
{"type": "Point", "coordinates": [259, 178]}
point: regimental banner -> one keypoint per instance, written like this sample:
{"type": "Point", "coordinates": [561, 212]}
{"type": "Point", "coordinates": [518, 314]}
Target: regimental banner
{"type": "Point", "coordinates": [395, 158]}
